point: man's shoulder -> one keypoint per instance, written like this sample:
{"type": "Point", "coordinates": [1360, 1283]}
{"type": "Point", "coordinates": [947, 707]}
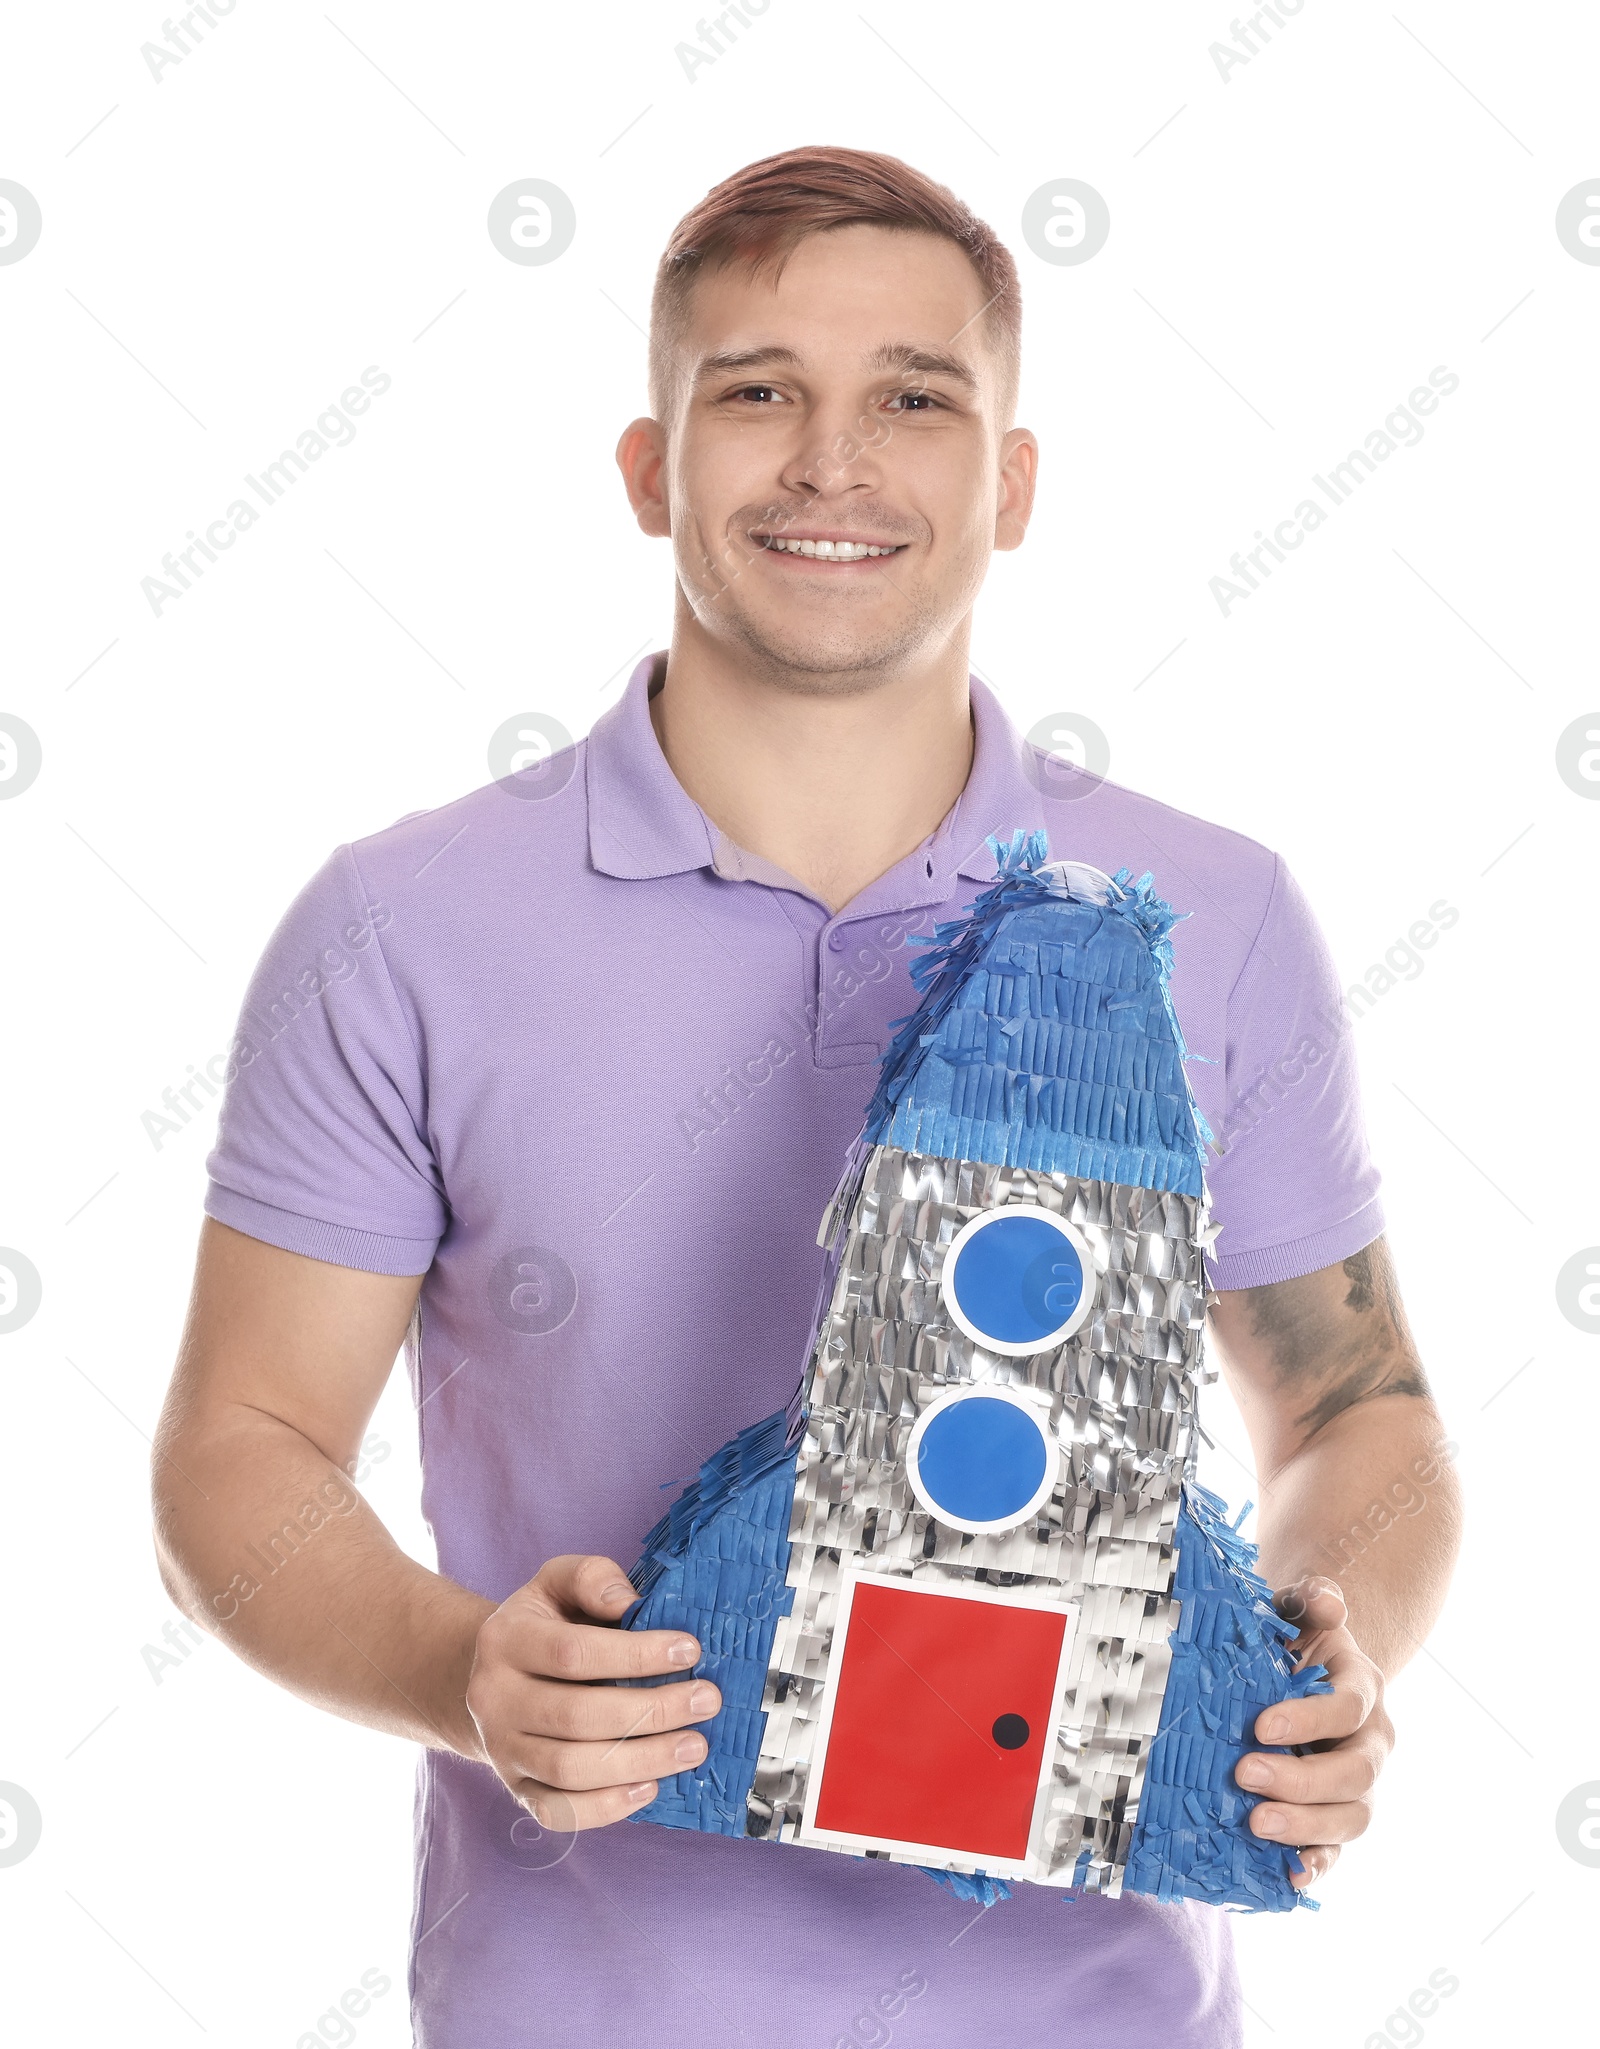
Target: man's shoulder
{"type": "Point", "coordinates": [513, 831]}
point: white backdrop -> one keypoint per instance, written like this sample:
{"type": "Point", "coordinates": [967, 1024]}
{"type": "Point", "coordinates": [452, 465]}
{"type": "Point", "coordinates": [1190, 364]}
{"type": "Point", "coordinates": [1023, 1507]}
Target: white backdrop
{"type": "Point", "coordinates": [1297, 241]}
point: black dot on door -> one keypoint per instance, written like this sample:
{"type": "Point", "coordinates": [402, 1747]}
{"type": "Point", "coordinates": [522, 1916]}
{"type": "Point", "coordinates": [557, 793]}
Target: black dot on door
{"type": "Point", "coordinates": [1010, 1732]}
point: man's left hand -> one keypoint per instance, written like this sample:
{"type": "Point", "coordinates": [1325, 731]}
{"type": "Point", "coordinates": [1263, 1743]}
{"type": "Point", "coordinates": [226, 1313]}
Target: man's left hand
{"type": "Point", "coordinates": [1322, 1799]}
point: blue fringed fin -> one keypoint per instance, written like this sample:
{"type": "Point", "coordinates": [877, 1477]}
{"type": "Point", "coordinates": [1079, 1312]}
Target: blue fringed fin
{"type": "Point", "coordinates": [1229, 1661]}
{"type": "Point", "coordinates": [715, 1565]}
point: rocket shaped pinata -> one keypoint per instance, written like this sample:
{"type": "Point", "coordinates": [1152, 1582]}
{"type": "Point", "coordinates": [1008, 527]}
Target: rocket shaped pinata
{"type": "Point", "coordinates": [966, 1603]}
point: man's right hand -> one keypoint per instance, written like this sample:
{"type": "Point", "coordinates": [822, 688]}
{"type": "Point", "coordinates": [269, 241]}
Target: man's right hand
{"type": "Point", "coordinates": [575, 1751]}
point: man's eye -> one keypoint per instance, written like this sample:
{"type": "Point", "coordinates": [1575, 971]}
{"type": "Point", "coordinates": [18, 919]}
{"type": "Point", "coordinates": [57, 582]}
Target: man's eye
{"type": "Point", "coordinates": [906, 401]}
{"type": "Point", "coordinates": [758, 394]}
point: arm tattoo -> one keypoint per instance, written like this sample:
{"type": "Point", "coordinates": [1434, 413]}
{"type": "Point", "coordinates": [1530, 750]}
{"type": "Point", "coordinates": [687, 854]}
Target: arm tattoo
{"type": "Point", "coordinates": [1334, 1354]}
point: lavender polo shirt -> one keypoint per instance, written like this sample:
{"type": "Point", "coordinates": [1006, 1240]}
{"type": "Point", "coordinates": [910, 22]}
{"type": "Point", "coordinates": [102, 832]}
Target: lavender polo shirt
{"type": "Point", "coordinates": [591, 1070]}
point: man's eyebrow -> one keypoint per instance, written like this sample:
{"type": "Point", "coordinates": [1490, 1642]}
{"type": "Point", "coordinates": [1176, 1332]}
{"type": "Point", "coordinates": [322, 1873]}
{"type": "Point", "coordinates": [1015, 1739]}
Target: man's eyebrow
{"type": "Point", "coordinates": [722, 361]}
{"type": "Point", "coordinates": [930, 362]}
{"type": "Point", "coordinates": [915, 357]}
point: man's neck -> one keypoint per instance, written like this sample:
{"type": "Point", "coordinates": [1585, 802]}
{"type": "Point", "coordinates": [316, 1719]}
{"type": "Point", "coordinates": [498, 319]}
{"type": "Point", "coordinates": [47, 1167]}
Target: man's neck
{"type": "Point", "coordinates": [833, 788]}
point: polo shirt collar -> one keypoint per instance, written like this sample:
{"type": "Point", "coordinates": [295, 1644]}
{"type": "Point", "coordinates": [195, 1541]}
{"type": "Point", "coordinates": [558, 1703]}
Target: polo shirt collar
{"type": "Point", "coordinates": [1002, 791]}
{"type": "Point", "coordinates": [643, 823]}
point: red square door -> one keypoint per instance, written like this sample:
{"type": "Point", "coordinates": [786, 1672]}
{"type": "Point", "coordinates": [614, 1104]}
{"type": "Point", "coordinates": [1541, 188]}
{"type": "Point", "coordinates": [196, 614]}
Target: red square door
{"type": "Point", "coordinates": [943, 1713]}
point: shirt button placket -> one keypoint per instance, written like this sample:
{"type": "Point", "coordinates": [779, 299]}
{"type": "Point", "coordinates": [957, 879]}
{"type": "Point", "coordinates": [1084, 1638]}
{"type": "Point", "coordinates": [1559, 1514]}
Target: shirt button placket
{"type": "Point", "coordinates": [834, 947]}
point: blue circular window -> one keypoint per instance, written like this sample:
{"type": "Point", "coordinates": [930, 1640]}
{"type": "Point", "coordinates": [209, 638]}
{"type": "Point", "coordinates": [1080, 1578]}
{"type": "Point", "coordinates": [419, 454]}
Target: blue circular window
{"type": "Point", "coordinates": [981, 1459]}
{"type": "Point", "coordinates": [1018, 1279]}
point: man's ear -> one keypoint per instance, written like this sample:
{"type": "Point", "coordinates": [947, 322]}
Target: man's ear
{"type": "Point", "coordinates": [1019, 471]}
{"type": "Point", "coordinates": [642, 459]}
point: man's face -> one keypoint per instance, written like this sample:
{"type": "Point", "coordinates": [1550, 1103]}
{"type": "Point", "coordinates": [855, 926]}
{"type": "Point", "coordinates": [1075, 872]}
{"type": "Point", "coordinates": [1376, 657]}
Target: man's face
{"type": "Point", "coordinates": [853, 405]}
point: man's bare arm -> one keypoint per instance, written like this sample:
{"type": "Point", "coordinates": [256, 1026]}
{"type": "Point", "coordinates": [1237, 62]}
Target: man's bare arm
{"type": "Point", "coordinates": [261, 1534]}
{"type": "Point", "coordinates": [1352, 1457]}
{"type": "Point", "coordinates": [1360, 1520]}
{"type": "Point", "coordinates": [263, 1539]}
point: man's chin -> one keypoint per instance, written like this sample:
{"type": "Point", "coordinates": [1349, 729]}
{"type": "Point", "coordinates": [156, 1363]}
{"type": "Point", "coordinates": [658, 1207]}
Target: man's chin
{"type": "Point", "coordinates": [824, 659]}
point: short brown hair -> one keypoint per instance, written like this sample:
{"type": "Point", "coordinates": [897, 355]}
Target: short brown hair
{"type": "Point", "coordinates": [761, 214]}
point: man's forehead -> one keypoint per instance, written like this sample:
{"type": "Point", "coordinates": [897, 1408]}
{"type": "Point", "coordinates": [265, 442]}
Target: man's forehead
{"type": "Point", "coordinates": [857, 288]}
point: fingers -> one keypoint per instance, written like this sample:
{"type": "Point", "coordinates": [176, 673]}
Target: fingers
{"type": "Point", "coordinates": [533, 1631]}
{"type": "Point", "coordinates": [578, 1752]}
{"type": "Point", "coordinates": [1312, 1603]}
{"type": "Point", "coordinates": [588, 1714]}
{"type": "Point", "coordinates": [1318, 1860]}
{"type": "Point", "coordinates": [1311, 1826]}
{"type": "Point", "coordinates": [583, 1585]}
{"type": "Point", "coordinates": [1318, 1610]}
{"type": "Point", "coordinates": [1326, 1717]}
{"type": "Point", "coordinates": [576, 1652]}
{"type": "Point", "coordinates": [507, 1704]}
{"type": "Point", "coordinates": [1329, 1778]}
{"type": "Point", "coordinates": [1319, 1801]}
{"type": "Point", "coordinates": [1316, 1802]}
{"type": "Point", "coordinates": [591, 1767]}
{"type": "Point", "coordinates": [566, 1813]}
{"type": "Point", "coordinates": [528, 1635]}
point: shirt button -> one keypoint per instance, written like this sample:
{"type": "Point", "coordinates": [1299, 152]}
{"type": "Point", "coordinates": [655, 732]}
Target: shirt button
{"type": "Point", "coordinates": [836, 941]}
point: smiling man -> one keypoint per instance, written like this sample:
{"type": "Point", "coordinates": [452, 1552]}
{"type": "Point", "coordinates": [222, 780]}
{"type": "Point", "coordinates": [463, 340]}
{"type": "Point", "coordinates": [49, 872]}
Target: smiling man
{"type": "Point", "coordinates": [564, 1106]}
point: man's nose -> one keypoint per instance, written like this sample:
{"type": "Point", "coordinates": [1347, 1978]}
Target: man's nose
{"type": "Point", "coordinates": [838, 451]}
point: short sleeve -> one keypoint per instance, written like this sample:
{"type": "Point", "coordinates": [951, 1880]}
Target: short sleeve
{"type": "Point", "coordinates": [322, 1144]}
{"type": "Point", "coordinates": [1292, 1181]}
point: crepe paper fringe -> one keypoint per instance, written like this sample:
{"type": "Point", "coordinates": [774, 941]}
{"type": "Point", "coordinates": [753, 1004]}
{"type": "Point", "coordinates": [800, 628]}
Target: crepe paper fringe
{"type": "Point", "coordinates": [715, 1565]}
{"type": "Point", "coordinates": [1230, 1660]}
{"type": "Point", "coordinates": [976, 1888]}
{"type": "Point", "coordinates": [1044, 1039]}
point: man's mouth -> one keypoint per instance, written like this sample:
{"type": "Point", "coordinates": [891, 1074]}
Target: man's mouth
{"type": "Point", "coordinates": [828, 548]}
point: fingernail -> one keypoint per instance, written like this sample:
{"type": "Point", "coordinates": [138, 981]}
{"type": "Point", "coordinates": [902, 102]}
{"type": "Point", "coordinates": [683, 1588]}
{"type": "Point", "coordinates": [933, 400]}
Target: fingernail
{"type": "Point", "coordinates": [619, 1590]}
{"type": "Point", "coordinates": [1255, 1773]}
{"type": "Point", "coordinates": [638, 1795]}
{"type": "Point", "coordinates": [690, 1749]}
{"type": "Point", "coordinates": [1267, 1821]}
{"type": "Point", "coordinates": [683, 1652]}
{"type": "Point", "coordinates": [702, 1699]}
{"type": "Point", "coordinates": [1275, 1729]}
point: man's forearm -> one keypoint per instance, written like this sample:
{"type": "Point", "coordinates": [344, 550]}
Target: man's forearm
{"type": "Point", "coordinates": [1370, 1500]}
{"type": "Point", "coordinates": [267, 1544]}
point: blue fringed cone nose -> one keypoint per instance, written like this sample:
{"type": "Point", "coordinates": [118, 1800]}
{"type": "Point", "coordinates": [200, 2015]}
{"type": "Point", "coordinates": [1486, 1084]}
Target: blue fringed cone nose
{"type": "Point", "coordinates": [966, 1604]}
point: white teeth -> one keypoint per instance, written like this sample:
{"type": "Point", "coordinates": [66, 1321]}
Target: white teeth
{"type": "Point", "coordinates": [830, 551]}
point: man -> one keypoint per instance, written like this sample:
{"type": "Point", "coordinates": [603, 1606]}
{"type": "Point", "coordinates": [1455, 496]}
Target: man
{"type": "Point", "coordinates": [562, 1086]}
